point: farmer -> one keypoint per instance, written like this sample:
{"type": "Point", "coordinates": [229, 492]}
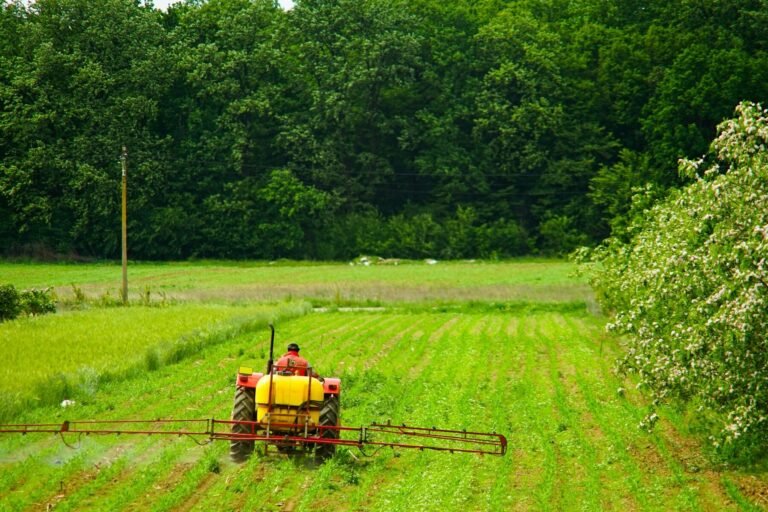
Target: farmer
{"type": "Point", "coordinates": [292, 362]}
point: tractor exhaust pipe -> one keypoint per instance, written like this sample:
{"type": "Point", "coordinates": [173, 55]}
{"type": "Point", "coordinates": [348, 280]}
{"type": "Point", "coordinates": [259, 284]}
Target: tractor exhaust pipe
{"type": "Point", "coordinates": [271, 349]}
{"type": "Point", "coordinates": [269, 370]}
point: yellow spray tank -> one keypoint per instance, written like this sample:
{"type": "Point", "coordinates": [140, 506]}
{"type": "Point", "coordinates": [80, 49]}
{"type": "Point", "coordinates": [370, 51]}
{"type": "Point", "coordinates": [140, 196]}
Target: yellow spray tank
{"type": "Point", "coordinates": [296, 400]}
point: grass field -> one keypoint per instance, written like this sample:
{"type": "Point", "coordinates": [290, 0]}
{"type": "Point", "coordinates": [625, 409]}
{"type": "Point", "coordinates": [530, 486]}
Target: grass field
{"type": "Point", "coordinates": [341, 283]}
{"type": "Point", "coordinates": [51, 358]}
{"type": "Point", "coordinates": [541, 376]}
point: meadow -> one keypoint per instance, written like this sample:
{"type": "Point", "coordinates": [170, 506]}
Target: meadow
{"type": "Point", "coordinates": [540, 375]}
{"type": "Point", "coordinates": [339, 283]}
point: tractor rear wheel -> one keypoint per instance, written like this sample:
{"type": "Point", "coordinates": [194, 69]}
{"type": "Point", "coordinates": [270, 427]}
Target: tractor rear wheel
{"type": "Point", "coordinates": [243, 410]}
{"type": "Point", "coordinates": [329, 417]}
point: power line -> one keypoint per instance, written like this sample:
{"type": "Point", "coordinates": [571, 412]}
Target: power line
{"type": "Point", "coordinates": [357, 172]}
{"type": "Point", "coordinates": [268, 168]}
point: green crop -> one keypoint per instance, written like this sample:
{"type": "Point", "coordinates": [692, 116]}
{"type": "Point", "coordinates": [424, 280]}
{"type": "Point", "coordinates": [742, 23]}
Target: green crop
{"type": "Point", "coordinates": [506, 347]}
{"type": "Point", "coordinates": [541, 378]}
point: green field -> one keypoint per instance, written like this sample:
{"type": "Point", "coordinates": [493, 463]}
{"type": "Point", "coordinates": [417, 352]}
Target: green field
{"type": "Point", "coordinates": [541, 376]}
{"type": "Point", "coordinates": [55, 357]}
{"type": "Point", "coordinates": [409, 281]}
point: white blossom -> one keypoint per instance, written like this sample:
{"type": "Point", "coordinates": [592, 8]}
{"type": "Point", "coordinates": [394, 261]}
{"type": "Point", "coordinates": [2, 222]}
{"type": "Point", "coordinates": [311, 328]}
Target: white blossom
{"type": "Point", "coordinates": [690, 290]}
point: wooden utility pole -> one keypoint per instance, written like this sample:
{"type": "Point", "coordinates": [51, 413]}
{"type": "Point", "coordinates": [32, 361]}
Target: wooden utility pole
{"type": "Point", "coordinates": [124, 160]}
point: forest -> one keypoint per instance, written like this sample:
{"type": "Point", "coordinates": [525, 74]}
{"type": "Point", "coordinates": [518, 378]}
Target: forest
{"type": "Point", "coordinates": [419, 128]}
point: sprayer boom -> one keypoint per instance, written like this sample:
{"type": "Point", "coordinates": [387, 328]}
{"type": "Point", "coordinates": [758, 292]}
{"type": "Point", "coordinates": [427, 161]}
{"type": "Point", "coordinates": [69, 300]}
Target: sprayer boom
{"type": "Point", "coordinates": [207, 430]}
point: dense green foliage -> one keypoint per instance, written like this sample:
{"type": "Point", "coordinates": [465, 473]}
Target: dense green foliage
{"type": "Point", "coordinates": [10, 302]}
{"type": "Point", "coordinates": [38, 302]}
{"type": "Point", "coordinates": [29, 302]}
{"type": "Point", "coordinates": [416, 128]}
{"type": "Point", "coordinates": [691, 286]}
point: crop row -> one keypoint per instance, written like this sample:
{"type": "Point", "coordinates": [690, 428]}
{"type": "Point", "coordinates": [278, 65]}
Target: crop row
{"type": "Point", "coordinates": [542, 379]}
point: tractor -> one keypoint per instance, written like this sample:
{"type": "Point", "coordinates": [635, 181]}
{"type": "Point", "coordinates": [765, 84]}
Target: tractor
{"type": "Point", "coordinates": [283, 406]}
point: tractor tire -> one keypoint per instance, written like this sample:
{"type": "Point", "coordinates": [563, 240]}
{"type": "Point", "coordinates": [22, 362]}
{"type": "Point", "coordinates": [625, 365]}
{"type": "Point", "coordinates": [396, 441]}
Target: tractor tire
{"type": "Point", "coordinates": [329, 416]}
{"type": "Point", "coordinates": [243, 410]}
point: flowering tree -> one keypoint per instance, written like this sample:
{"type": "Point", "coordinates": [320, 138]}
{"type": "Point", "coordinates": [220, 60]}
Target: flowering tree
{"type": "Point", "coordinates": [690, 289]}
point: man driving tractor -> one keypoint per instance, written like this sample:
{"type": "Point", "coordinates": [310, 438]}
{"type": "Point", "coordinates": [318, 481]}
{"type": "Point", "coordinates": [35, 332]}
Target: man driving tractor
{"type": "Point", "coordinates": [292, 362]}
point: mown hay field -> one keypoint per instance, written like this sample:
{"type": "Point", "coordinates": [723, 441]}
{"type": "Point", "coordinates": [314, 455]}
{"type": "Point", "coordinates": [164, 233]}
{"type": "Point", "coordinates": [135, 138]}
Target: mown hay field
{"type": "Point", "coordinates": [340, 283]}
{"type": "Point", "coordinates": [540, 375]}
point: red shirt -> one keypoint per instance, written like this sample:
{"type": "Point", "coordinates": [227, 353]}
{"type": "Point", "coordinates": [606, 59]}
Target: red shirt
{"type": "Point", "coordinates": [292, 362]}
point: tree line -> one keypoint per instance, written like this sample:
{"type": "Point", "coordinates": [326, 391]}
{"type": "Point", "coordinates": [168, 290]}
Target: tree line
{"type": "Point", "coordinates": [440, 128]}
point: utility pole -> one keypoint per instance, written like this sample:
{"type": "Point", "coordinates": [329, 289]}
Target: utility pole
{"type": "Point", "coordinates": [124, 160]}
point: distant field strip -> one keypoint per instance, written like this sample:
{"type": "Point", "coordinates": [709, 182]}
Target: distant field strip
{"type": "Point", "coordinates": [543, 379]}
{"type": "Point", "coordinates": [518, 280]}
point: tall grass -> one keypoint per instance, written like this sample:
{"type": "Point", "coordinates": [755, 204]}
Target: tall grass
{"type": "Point", "coordinates": [66, 356]}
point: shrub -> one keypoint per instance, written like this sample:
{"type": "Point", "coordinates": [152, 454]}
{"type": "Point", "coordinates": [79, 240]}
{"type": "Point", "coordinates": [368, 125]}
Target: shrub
{"type": "Point", "coordinates": [10, 302]}
{"type": "Point", "coordinates": [30, 302]}
{"type": "Point", "coordinates": [365, 232]}
{"type": "Point", "coordinates": [38, 302]}
{"type": "Point", "coordinates": [503, 238]}
{"type": "Point", "coordinates": [558, 236]}
{"type": "Point", "coordinates": [690, 289]}
{"type": "Point", "coordinates": [416, 236]}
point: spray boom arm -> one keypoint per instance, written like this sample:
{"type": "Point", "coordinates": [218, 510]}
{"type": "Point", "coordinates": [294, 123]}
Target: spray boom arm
{"type": "Point", "coordinates": [375, 435]}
